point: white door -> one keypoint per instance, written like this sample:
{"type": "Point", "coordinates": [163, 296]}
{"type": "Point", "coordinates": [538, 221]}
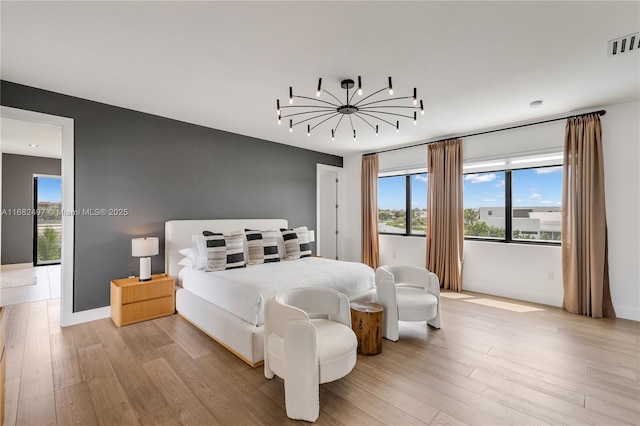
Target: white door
{"type": "Point", "coordinates": [327, 199]}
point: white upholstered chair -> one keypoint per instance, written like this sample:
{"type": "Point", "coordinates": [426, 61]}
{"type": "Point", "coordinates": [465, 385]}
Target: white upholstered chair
{"type": "Point", "coordinates": [308, 341]}
{"type": "Point", "coordinates": [407, 293]}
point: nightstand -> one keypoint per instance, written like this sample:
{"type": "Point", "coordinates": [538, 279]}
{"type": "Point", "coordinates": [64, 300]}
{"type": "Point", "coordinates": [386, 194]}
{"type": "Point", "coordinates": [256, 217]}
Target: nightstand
{"type": "Point", "coordinates": [134, 301]}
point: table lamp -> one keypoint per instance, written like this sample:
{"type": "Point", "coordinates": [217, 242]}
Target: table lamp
{"type": "Point", "coordinates": [143, 248]}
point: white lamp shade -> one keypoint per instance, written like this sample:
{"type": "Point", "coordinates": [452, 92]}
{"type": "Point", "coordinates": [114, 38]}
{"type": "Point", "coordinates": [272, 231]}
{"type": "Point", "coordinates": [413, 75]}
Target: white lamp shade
{"type": "Point", "coordinates": [312, 235]}
{"type": "Point", "coordinates": [143, 247]}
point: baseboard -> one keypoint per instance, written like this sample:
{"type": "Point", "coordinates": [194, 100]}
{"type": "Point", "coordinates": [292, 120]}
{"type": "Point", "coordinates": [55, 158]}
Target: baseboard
{"type": "Point", "coordinates": [85, 316]}
{"type": "Point", "coordinates": [627, 312]}
{"type": "Point", "coordinates": [515, 293]}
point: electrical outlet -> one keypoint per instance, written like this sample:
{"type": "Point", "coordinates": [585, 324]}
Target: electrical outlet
{"type": "Point", "coordinates": [550, 276]}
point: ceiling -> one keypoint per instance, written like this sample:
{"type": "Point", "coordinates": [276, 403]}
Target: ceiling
{"type": "Point", "coordinates": [28, 138]}
{"type": "Point", "coordinates": [224, 64]}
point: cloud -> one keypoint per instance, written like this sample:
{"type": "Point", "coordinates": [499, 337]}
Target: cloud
{"type": "Point", "coordinates": [545, 202]}
{"type": "Point", "coordinates": [500, 184]}
{"type": "Point", "coordinates": [488, 200]}
{"type": "Point", "coordinates": [559, 203]}
{"type": "Point", "coordinates": [518, 201]}
{"type": "Point", "coordinates": [422, 178]}
{"type": "Point", "coordinates": [548, 170]}
{"type": "Point", "coordinates": [535, 196]}
{"type": "Point", "coordinates": [480, 178]}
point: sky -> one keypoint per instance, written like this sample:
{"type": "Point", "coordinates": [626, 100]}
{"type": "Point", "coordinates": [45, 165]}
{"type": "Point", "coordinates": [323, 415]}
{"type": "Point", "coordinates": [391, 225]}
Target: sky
{"type": "Point", "coordinates": [49, 189]}
{"type": "Point", "coordinates": [391, 192]}
{"type": "Point", "coordinates": [531, 188]}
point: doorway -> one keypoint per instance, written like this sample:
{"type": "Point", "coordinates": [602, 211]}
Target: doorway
{"type": "Point", "coordinates": [328, 194]}
{"type": "Point", "coordinates": [67, 316]}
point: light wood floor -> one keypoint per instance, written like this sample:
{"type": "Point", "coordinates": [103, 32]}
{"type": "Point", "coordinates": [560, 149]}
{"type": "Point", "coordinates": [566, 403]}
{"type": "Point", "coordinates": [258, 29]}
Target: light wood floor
{"type": "Point", "coordinates": [487, 366]}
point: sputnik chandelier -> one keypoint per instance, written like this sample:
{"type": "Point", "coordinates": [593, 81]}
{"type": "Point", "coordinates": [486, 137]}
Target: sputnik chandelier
{"type": "Point", "coordinates": [371, 109]}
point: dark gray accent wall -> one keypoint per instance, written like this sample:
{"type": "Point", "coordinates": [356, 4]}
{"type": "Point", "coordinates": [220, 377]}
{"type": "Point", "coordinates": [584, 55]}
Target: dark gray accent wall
{"type": "Point", "coordinates": [17, 193]}
{"type": "Point", "coordinates": [161, 169]}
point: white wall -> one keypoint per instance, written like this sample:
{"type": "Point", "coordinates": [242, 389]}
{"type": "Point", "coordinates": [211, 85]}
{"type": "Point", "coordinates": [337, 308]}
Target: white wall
{"type": "Point", "coordinates": [523, 271]}
{"type": "Point", "coordinates": [621, 140]}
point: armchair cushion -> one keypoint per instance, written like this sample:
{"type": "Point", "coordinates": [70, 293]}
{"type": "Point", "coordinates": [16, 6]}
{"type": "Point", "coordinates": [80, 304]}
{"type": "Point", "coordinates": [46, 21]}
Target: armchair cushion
{"type": "Point", "coordinates": [415, 304]}
{"type": "Point", "coordinates": [335, 359]}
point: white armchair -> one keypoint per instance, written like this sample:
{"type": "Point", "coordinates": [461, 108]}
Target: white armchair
{"type": "Point", "coordinates": [407, 293]}
{"type": "Point", "coordinates": [308, 341]}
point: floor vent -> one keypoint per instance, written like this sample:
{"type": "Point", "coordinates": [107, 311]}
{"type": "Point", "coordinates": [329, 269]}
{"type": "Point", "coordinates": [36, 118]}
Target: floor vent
{"type": "Point", "coordinates": [624, 44]}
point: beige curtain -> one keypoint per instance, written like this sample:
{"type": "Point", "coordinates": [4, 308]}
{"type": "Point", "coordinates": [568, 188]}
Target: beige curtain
{"type": "Point", "coordinates": [585, 267]}
{"type": "Point", "coordinates": [369, 182]}
{"type": "Point", "coordinates": [445, 227]}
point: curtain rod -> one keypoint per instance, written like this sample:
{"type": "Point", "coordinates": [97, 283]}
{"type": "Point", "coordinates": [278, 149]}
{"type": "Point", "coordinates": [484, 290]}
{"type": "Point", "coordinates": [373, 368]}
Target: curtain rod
{"type": "Point", "coordinates": [599, 112]}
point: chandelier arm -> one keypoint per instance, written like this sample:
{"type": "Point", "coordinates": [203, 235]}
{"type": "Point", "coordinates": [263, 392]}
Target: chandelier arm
{"type": "Point", "coordinates": [378, 118]}
{"type": "Point", "coordinates": [370, 125]}
{"type": "Point", "coordinates": [333, 96]}
{"type": "Point", "coordinates": [352, 96]}
{"type": "Point", "coordinates": [317, 100]}
{"type": "Point", "coordinates": [321, 112]}
{"type": "Point", "coordinates": [387, 100]}
{"type": "Point", "coordinates": [328, 118]}
{"type": "Point", "coordinates": [351, 121]}
{"type": "Point", "coordinates": [309, 106]}
{"type": "Point", "coordinates": [387, 113]}
{"type": "Point", "coordinates": [374, 93]}
{"type": "Point", "coordinates": [335, 129]}
{"type": "Point", "coordinates": [387, 106]}
{"type": "Point", "coordinates": [312, 118]}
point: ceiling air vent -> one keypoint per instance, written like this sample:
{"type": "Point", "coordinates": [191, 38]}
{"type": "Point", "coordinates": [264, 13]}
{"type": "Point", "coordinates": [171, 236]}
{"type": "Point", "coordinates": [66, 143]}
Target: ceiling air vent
{"type": "Point", "coordinates": [624, 44]}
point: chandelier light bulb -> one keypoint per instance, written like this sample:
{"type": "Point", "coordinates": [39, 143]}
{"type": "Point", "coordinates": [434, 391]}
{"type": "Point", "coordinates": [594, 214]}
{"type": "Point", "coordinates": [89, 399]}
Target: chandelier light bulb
{"type": "Point", "coordinates": [397, 127]}
{"type": "Point", "coordinates": [319, 87]}
{"type": "Point", "coordinates": [290, 126]}
{"type": "Point", "coordinates": [359, 85]}
{"type": "Point", "coordinates": [290, 95]}
{"type": "Point", "coordinates": [421, 108]}
{"type": "Point", "coordinates": [415, 118]}
{"type": "Point", "coordinates": [354, 135]}
{"type": "Point", "coordinates": [333, 136]}
{"type": "Point", "coordinates": [279, 119]}
{"type": "Point", "coordinates": [390, 87]}
{"type": "Point", "coordinates": [415, 96]}
{"type": "Point", "coordinates": [308, 130]}
{"type": "Point", "coordinates": [278, 106]}
{"type": "Point", "coordinates": [376, 130]}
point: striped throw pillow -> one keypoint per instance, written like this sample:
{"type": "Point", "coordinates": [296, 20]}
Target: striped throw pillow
{"type": "Point", "coordinates": [216, 251]}
{"type": "Point", "coordinates": [255, 245]}
{"type": "Point", "coordinates": [270, 241]}
{"type": "Point", "coordinates": [303, 239]}
{"type": "Point", "coordinates": [235, 249]}
{"type": "Point", "coordinates": [291, 244]}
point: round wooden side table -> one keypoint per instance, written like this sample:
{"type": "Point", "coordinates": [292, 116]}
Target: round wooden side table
{"type": "Point", "coordinates": [366, 322]}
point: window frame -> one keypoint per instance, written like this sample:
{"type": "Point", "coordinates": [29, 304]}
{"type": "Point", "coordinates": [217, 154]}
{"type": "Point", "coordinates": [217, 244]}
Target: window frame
{"type": "Point", "coordinates": [407, 204]}
{"type": "Point", "coordinates": [508, 208]}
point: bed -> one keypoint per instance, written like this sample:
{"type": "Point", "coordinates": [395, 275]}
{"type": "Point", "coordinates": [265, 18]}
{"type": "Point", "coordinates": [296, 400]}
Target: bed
{"type": "Point", "coordinates": [228, 305]}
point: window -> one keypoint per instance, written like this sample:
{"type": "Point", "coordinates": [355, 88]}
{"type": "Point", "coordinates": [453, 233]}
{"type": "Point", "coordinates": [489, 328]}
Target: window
{"type": "Point", "coordinates": [484, 205]}
{"type": "Point", "coordinates": [536, 201]}
{"type": "Point", "coordinates": [521, 205]}
{"type": "Point", "coordinates": [47, 223]}
{"type": "Point", "coordinates": [402, 204]}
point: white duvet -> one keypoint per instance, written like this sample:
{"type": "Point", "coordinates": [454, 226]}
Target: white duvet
{"type": "Point", "coordinates": [244, 291]}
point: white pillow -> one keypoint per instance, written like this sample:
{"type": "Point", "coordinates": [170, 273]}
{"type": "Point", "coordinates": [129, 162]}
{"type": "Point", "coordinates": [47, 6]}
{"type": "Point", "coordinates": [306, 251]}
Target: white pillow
{"type": "Point", "coordinates": [186, 262]}
{"type": "Point", "coordinates": [200, 250]}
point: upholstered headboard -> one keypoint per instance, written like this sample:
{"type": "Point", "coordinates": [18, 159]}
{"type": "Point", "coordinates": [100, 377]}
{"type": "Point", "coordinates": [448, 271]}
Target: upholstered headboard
{"type": "Point", "coordinates": [177, 234]}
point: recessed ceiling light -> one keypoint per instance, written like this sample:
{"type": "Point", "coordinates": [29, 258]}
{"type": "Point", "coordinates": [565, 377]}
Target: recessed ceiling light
{"type": "Point", "coordinates": [33, 145]}
{"type": "Point", "coordinates": [536, 104]}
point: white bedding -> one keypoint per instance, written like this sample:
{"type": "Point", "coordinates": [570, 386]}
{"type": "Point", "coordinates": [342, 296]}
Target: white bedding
{"type": "Point", "coordinates": [244, 291]}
